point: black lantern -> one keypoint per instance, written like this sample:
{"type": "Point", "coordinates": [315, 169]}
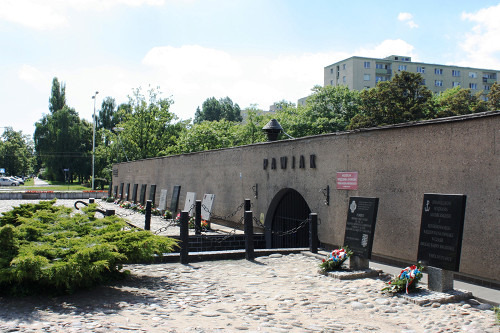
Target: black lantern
{"type": "Point", "coordinates": [273, 130]}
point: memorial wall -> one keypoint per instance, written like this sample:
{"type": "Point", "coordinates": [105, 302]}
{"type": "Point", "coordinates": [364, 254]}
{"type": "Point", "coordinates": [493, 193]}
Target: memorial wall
{"type": "Point", "coordinates": [396, 164]}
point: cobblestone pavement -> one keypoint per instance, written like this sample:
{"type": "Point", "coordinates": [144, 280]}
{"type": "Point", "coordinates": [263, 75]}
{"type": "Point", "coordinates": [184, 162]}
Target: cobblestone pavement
{"type": "Point", "coordinates": [271, 294]}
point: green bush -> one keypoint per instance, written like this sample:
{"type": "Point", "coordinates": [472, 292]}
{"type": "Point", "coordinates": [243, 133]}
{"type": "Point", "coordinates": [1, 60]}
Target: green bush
{"type": "Point", "coordinates": [47, 248]}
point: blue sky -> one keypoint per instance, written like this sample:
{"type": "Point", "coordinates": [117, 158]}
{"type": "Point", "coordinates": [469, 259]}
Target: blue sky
{"type": "Point", "coordinates": [254, 51]}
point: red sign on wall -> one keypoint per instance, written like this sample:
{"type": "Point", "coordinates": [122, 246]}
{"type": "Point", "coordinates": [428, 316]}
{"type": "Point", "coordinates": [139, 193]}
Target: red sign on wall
{"type": "Point", "coordinates": [347, 180]}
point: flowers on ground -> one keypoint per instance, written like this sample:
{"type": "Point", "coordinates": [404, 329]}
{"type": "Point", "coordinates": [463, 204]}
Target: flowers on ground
{"type": "Point", "coordinates": [335, 259]}
{"type": "Point", "coordinates": [407, 280]}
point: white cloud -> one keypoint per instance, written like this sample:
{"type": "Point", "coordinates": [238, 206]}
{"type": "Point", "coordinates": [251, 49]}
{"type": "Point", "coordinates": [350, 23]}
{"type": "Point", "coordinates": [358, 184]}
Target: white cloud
{"type": "Point", "coordinates": [389, 47]}
{"type": "Point", "coordinates": [31, 75]}
{"type": "Point", "coordinates": [53, 14]}
{"type": "Point", "coordinates": [408, 19]}
{"type": "Point", "coordinates": [482, 44]}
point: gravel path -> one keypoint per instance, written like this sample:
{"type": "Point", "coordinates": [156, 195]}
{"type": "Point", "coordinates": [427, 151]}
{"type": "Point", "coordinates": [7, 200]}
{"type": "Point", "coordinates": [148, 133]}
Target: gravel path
{"type": "Point", "coordinates": [272, 294]}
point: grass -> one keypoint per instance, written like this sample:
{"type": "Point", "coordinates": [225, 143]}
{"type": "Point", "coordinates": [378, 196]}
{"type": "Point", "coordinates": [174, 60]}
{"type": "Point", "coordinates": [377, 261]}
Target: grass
{"type": "Point", "coordinates": [29, 185]}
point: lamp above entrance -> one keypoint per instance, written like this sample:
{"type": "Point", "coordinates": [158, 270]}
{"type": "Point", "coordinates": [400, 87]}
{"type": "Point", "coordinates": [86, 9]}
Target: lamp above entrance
{"type": "Point", "coordinates": [273, 130]}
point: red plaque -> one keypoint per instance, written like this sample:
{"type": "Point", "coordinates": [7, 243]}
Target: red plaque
{"type": "Point", "coordinates": [347, 180]}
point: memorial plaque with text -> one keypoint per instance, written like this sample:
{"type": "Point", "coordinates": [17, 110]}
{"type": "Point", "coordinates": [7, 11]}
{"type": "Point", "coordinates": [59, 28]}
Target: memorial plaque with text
{"type": "Point", "coordinates": [152, 193]}
{"type": "Point", "coordinates": [134, 193]}
{"type": "Point", "coordinates": [189, 204]}
{"type": "Point", "coordinates": [174, 204]}
{"type": "Point", "coordinates": [142, 196]}
{"type": "Point", "coordinates": [441, 230]}
{"type": "Point", "coordinates": [121, 191]}
{"type": "Point", "coordinates": [127, 192]}
{"type": "Point", "coordinates": [206, 206]}
{"type": "Point", "coordinates": [360, 226]}
{"type": "Point", "coordinates": [162, 206]}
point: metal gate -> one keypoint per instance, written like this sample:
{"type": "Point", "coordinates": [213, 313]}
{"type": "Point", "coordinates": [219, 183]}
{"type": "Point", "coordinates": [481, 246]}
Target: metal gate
{"type": "Point", "coordinates": [290, 213]}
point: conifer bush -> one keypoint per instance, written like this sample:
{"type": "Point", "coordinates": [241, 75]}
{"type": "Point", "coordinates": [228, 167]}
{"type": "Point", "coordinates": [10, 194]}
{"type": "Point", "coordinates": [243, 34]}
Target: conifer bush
{"type": "Point", "coordinates": [47, 248]}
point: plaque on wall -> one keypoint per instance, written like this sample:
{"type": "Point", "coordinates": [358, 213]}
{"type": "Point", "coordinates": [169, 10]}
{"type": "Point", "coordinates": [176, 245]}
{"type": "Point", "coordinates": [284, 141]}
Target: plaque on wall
{"type": "Point", "coordinates": [142, 197]}
{"type": "Point", "coordinates": [206, 206]}
{"type": "Point", "coordinates": [174, 204]}
{"type": "Point", "coordinates": [121, 191]}
{"type": "Point", "coordinates": [152, 193]}
{"type": "Point", "coordinates": [127, 192]}
{"type": "Point", "coordinates": [189, 204]}
{"type": "Point", "coordinates": [162, 206]}
{"type": "Point", "coordinates": [441, 230]}
{"type": "Point", "coordinates": [360, 226]}
{"type": "Point", "coordinates": [134, 193]}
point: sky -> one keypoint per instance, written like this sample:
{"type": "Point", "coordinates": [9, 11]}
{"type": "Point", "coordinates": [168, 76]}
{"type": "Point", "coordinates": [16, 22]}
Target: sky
{"type": "Point", "coordinates": [256, 52]}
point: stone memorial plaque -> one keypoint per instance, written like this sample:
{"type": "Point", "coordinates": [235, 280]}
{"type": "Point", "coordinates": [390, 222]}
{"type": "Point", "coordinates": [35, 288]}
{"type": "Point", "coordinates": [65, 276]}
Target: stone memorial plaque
{"type": "Point", "coordinates": [127, 192]}
{"type": "Point", "coordinates": [189, 204]}
{"type": "Point", "coordinates": [142, 196]}
{"type": "Point", "coordinates": [152, 193]}
{"type": "Point", "coordinates": [162, 206]}
{"type": "Point", "coordinates": [134, 194]}
{"type": "Point", "coordinates": [121, 191]}
{"type": "Point", "coordinates": [116, 191]}
{"type": "Point", "coordinates": [206, 206]}
{"type": "Point", "coordinates": [441, 230]}
{"type": "Point", "coordinates": [360, 226]}
{"type": "Point", "coordinates": [174, 204]}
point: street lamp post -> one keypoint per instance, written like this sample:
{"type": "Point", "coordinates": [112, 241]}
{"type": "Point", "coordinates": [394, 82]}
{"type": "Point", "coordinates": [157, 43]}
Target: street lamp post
{"type": "Point", "coordinates": [93, 143]}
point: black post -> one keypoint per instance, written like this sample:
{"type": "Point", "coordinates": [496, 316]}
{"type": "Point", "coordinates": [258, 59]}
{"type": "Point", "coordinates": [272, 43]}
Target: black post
{"type": "Point", "coordinates": [184, 251]}
{"type": "Point", "coordinates": [91, 200]}
{"type": "Point", "coordinates": [197, 218]}
{"type": "Point", "coordinates": [248, 205]}
{"type": "Point", "coordinates": [110, 212]}
{"type": "Point", "coordinates": [313, 232]}
{"type": "Point", "coordinates": [147, 223]}
{"type": "Point", "coordinates": [249, 249]}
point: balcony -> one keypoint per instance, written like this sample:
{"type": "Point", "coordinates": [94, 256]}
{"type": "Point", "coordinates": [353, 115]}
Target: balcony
{"type": "Point", "coordinates": [490, 81]}
{"type": "Point", "coordinates": [383, 71]}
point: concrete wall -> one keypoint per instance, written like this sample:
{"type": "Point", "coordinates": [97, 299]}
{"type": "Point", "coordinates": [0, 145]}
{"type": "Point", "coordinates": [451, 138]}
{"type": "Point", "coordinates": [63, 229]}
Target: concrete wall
{"type": "Point", "coordinates": [397, 164]}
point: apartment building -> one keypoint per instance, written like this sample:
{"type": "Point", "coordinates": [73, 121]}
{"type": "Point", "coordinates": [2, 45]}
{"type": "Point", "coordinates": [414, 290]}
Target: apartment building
{"type": "Point", "coordinates": [359, 73]}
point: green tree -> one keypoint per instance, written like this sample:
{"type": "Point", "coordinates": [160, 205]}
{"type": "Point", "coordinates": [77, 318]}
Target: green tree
{"type": "Point", "coordinates": [208, 135]}
{"type": "Point", "coordinates": [16, 153]}
{"type": "Point", "coordinates": [458, 101]}
{"type": "Point", "coordinates": [494, 97]}
{"type": "Point", "coordinates": [57, 99]}
{"type": "Point", "coordinates": [213, 109]}
{"type": "Point", "coordinates": [400, 100]}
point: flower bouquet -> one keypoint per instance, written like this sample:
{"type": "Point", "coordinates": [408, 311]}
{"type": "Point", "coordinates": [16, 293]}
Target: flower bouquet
{"type": "Point", "coordinates": [335, 259]}
{"type": "Point", "coordinates": [407, 280]}
{"type": "Point", "coordinates": [204, 224]}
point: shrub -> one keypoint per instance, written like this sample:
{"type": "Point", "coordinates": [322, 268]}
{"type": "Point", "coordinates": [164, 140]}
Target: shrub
{"type": "Point", "coordinates": [45, 248]}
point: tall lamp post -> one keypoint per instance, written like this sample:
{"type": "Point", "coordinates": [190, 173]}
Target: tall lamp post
{"type": "Point", "coordinates": [93, 143]}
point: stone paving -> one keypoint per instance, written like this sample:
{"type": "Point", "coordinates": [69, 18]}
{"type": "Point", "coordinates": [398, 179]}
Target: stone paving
{"type": "Point", "coordinates": [271, 294]}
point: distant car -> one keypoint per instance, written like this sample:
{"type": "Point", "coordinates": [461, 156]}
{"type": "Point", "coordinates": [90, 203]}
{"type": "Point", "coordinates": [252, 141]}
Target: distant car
{"type": "Point", "coordinates": [18, 179]}
{"type": "Point", "coordinates": [6, 181]}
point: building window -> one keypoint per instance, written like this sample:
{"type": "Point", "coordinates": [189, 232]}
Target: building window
{"type": "Point", "coordinates": [331, 82]}
{"type": "Point", "coordinates": [422, 82]}
{"type": "Point", "coordinates": [343, 79]}
{"type": "Point", "coordinates": [402, 67]}
{"type": "Point", "coordinates": [420, 69]}
{"type": "Point", "coordinates": [366, 77]}
{"type": "Point", "coordinates": [367, 64]}
{"type": "Point", "coordinates": [487, 87]}
{"type": "Point", "coordinates": [380, 79]}
{"type": "Point", "coordinates": [331, 70]}
{"type": "Point", "coordinates": [473, 85]}
{"type": "Point", "coordinates": [381, 66]}
{"type": "Point", "coordinates": [438, 71]}
{"type": "Point", "coordinates": [455, 73]}
{"type": "Point", "coordinates": [343, 66]}
{"type": "Point", "coordinates": [473, 75]}
{"type": "Point", "coordinates": [438, 83]}
{"type": "Point", "coordinates": [455, 84]}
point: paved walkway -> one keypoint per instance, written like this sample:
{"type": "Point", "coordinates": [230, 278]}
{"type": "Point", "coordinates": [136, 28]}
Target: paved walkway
{"type": "Point", "coordinates": [271, 294]}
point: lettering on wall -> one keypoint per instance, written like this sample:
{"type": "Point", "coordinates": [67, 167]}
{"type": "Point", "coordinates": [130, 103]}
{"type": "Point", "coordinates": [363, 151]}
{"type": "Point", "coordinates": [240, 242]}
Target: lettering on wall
{"type": "Point", "coordinates": [284, 162]}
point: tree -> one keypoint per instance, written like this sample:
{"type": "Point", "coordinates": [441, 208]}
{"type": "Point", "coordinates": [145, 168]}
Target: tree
{"type": "Point", "coordinates": [57, 99]}
{"type": "Point", "coordinates": [213, 109]}
{"type": "Point", "coordinates": [16, 153]}
{"type": "Point", "coordinates": [208, 135]}
{"type": "Point", "coordinates": [402, 99]}
{"type": "Point", "coordinates": [458, 101]}
{"type": "Point", "coordinates": [494, 97]}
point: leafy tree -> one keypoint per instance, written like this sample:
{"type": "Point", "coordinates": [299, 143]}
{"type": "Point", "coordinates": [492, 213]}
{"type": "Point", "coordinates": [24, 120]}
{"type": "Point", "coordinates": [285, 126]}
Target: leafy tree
{"type": "Point", "coordinates": [213, 109]}
{"type": "Point", "coordinates": [402, 99]}
{"type": "Point", "coordinates": [494, 97]}
{"type": "Point", "coordinates": [458, 101]}
{"type": "Point", "coordinates": [250, 131]}
{"type": "Point", "coordinates": [208, 135]}
{"type": "Point", "coordinates": [57, 99]}
{"type": "Point", "coordinates": [16, 153]}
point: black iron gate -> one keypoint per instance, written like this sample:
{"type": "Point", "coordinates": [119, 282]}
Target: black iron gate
{"type": "Point", "coordinates": [290, 214]}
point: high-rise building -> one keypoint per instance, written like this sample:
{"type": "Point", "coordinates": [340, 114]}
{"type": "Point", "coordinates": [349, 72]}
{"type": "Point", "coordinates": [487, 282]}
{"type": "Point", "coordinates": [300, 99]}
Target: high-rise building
{"type": "Point", "coordinates": [358, 73]}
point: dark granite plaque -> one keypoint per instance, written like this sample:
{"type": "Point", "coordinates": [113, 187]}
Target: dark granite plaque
{"type": "Point", "coordinates": [127, 192]}
{"type": "Point", "coordinates": [134, 193]}
{"type": "Point", "coordinates": [121, 191]}
{"type": "Point", "coordinates": [174, 204]}
{"type": "Point", "coordinates": [116, 191]}
{"type": "Point", "coordinates": [152, 193]}
{"type": "Point", "coordinates": [441, 230]}
{"type": "Point", "coordinates": [360, 226]}
{"type": "Point", "coordinates": [142, 196]}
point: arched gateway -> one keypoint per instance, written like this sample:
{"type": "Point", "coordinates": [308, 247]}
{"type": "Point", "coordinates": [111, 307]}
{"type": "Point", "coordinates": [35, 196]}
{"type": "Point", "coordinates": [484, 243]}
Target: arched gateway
{"type": "Point", "coordinates": [287, 212]}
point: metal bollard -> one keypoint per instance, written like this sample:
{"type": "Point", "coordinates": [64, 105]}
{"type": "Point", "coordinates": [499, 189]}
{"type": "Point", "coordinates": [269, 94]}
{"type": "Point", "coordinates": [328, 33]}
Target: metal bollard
{"type": "Point", "coordinates": [248, 205]}
{"type": "Point", "coordinates": [249, 246]}
{"type": "Point", "coordinates": [313, 232]}
{"type": "Point", "coordinates": [197, 218]}
{"type": "Point", "coordinates": [147, 222]}
{"type": "Point", "coordinates": [184, 235]}
{"type": "Point", "coordinates": [91, 200]}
